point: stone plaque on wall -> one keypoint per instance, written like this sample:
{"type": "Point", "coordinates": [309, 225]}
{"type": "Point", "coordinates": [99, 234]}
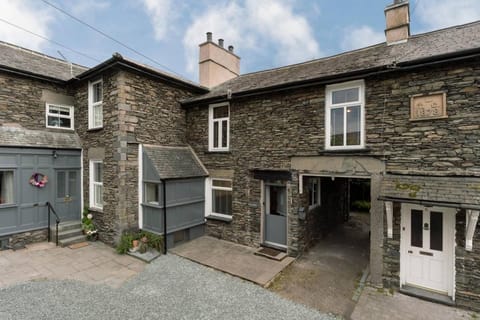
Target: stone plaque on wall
{"type": "Point", "coordinates": [428, 106]}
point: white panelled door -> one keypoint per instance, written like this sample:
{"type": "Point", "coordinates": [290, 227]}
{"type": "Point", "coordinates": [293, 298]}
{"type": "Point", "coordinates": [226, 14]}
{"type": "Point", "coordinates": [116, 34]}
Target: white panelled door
{"type": "Point", "coordinates": [427, 248]}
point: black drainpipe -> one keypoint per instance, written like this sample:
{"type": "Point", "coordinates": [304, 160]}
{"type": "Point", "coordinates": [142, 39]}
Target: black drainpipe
{"type": "Point", "coordinates": [164, 215]}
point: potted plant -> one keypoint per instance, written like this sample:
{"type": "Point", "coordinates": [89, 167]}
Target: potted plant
{"type": "Point", "coordinates": [88, 226]}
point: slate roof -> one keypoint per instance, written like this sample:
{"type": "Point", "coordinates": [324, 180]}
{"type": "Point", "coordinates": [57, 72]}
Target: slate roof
{"type": "Point", "coordinates": [20, 137]}
{"type": "Point", "coordinates": [175, 162]}
{"type": "Point", "coordinates": [18, 58]}
{"type": "Point", "coordinates": [455, 190]}
{"type": "Point", "coordinates": [423, 46]}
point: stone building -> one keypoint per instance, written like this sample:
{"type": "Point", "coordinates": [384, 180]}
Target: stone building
{"type": "Point", "coordinates": [262, 159]}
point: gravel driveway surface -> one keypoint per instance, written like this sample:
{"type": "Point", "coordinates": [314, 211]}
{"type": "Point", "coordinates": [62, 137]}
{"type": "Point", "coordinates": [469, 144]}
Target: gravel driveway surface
{"type": "Point", "coordinates": [169, 288]}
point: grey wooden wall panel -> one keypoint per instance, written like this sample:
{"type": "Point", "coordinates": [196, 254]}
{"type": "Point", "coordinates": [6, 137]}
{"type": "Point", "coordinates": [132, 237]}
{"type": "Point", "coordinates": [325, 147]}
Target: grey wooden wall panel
{"type": "Point", "coordinates": [29, 211]}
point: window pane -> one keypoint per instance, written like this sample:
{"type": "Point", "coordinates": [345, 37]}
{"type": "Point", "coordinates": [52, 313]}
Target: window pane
{"type": "Point", "coordinates": [222, 201]}
{"type": "Point", "coordinates": [98, 115]}
{"type": "Point", "coordinates": [215, 134]}
{"type": "Point", "coordinates": [436, 231]}
{"type": "Point", "coordinates": [97, 91]}
{"type": "Point", "coordinates": [336, 127]}
{"type": "Point", "coordinates": [220, 112]}
{"type": "Point", "coordinates": [97, 172]}
{"type": "Point", "coordinates": [353, 126]}
{"type": "Point", "coordinates": [222, 183]}
{"type": "Point", "coordinates": [65, 123]}
{"type": "Point", "coordinates": [224, 133]}
{"type": "Point", "coordinates": [72, 183]}
{"type": "Point", "coordinates": [98, 195]}
{"type": "Point", "coordinates": [61, 184]}
{"type": "Point", "coordinates": [346, 95]}
{"type": "Point", "coordinates": [151, 193]}
{"type": "Point", "coordinates": [417, 228]}
{"type": "Point", "coordinates": [6, 187]}
{"type": "Point", "coordinates": [278, 199]}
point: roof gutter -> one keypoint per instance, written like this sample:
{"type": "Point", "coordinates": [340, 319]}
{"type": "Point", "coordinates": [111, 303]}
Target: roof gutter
{"type": "Point", "coordinates": [352, 75]}
{"type": "Point", "coordinates": [32, 75]}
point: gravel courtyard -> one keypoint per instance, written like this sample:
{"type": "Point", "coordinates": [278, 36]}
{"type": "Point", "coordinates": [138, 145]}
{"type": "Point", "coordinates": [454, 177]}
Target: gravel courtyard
{"type": "Point", "coordinates": [169, 288]}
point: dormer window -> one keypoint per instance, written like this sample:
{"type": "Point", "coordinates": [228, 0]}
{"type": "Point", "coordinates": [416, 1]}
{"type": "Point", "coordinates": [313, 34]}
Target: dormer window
{"type": "Point", "coordinates": [95, 104]}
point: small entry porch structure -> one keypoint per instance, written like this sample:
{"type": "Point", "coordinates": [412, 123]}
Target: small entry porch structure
{"type": "Point", "coordinates": [172, 189]}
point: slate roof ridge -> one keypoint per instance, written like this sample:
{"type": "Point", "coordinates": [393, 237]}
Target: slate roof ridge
{"type": "Point", "coordinates": [40, 54]}
{"type": "Point", "coordinates": [168, 74]}
{"type": "Point", "coordinates": [415, 36]}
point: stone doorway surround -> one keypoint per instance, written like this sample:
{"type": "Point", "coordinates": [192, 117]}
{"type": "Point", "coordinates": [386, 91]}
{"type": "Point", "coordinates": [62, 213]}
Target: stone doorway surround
{"type": "Point", "coordinates": [352, 167]}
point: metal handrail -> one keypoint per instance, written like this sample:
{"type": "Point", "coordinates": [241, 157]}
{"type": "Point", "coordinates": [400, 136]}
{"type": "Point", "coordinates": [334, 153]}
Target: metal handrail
{"type": "Point", "coordinates": [50, 210]}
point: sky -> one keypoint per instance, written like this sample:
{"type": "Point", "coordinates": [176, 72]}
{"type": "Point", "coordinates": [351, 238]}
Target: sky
{"type": "Point", "coordinates": [265, 33]}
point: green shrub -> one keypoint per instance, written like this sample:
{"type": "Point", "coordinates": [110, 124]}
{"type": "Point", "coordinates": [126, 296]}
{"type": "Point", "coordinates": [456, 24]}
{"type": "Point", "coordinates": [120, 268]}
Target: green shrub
{"type": "Point", "coordinates": [361, 205]}
{"type": "Point", "coordinates": [151, 240]}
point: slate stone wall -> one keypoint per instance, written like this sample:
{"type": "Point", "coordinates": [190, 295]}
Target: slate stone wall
{"type": "Point", "coordinates": [22, 102]}
{"type": "Point", "coordinates": [28, 237]}
{"type": "Point", "coordinates": [467, 271]}
{"type": "Point", "coordinates": [266, 130]}
{"type": "Point", "coordinates": [136, 110]}
{"type": "Point", "coordinates": [391, 251]}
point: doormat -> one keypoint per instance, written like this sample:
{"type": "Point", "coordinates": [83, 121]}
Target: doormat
{"type": "Point", "coordinates": [271, 253]}
{"type": "Point", "coordinates": [78, 245]}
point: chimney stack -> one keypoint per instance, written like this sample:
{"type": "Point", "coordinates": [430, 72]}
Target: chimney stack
{"type": "Point", "coordinates": [397, 16]}
{"type": "Point", "coordinates": [216, 63]}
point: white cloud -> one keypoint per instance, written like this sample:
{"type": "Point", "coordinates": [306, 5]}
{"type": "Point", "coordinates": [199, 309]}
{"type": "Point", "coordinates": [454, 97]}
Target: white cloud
{"type": "Point", "coordinates": [28, 14]}
{"type": "Point", "coordinates": [255, 26]}
{"type": "Point", "coordinates": [360, 37]}
{"type": "Point", "coordinates": [437, 14]}
{"type": "Point", "coordinates": [83, 7]}
{"type": "Point", "coordinates": [161, 15]}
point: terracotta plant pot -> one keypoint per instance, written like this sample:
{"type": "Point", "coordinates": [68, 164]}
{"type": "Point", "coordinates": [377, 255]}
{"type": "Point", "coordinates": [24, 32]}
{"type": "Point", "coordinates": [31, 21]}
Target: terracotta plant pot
{"type": "Point", "coordinates": [135, 243]}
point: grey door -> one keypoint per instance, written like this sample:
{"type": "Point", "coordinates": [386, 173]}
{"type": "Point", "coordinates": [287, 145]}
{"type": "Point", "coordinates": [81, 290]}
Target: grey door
{"type": "Point", "coordinates": [275, 215]}
{"type": "Point", "coordinates": [67, 194]}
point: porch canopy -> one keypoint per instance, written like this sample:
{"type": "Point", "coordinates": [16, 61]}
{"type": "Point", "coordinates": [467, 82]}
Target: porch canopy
{"type": "Point", "coordinates": [12, 136]}
{"type": "Point", "coordinates": [448, 191]}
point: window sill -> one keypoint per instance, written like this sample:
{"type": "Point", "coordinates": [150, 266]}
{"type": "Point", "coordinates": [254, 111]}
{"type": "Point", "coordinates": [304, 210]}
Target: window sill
{"type": "Point", "coordinates": [218, 152]}
{"type": "Point", "coordinates": [60, 128]}
{"type": "Point", "coordinates": [346, 151]}
{"type": "Point", "coordinates": [219, 218]}
{"type": "Point", "coordinates": [8, 205]}
{"type": "Point", "coordinates": [94, 129]}
{"type": "Point", "coordinates": [99, 210]}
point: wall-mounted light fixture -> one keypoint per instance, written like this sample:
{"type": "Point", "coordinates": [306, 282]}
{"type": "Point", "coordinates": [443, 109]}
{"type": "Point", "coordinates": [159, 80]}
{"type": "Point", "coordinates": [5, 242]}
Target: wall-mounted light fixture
{"type": "Point", "coordinates": [54, 154]}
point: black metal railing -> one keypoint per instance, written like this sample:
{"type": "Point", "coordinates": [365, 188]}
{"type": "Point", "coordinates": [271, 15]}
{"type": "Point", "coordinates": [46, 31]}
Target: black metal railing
{"type": "Point", "coordinates": [57, 220]}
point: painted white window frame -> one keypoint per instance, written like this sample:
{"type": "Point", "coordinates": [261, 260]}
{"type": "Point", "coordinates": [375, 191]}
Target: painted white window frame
{"type": "Point", "coordinates": [209, 199]}
{"type": "Point", "coordinates": [93, 105]}
{"type": "Point", "coordinates": [48, 106]}
{"type": "Point", "coordinates": [157, 193]}
{"type": "Point", "coordinates": [94, 185]}
{"type": "Point", "coordinates": [315, 201]}
{"type": "Point", "coordinates": [360, 84]}
{"type": "Point", "coordinates": [14, 187]}
{"type": "Point", "coordinates": [211, 122]}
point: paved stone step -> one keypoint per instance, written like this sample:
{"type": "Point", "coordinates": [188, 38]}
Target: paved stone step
{"type": "Point", "coordinates": [67, 225]}
{"type": "Point", "coordinates": [72, 240]}
{"type": "Point", "coordinates": [68, 233]}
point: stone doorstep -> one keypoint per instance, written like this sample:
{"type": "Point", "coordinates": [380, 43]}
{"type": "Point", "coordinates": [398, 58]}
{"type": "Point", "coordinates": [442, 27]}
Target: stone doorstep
{"type": "Point", "coordinates": [264, 252]}
{"type": "Point", "coordinates": [427, 295]}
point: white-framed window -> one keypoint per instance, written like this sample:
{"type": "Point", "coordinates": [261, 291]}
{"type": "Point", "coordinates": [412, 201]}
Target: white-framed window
{"type": "Point", "coordinates": [96, 184]}
{"type": "Point", "coordinates": [219, 127]}
{"type": "Point", "coordinates": [95, 104]}
{"type": "Point", "coordinates": [7, 187]}
{"type": "Point", "coordinates": [344, 118]}
{"type": "Point", "coordinates": [314, 194]}
{"type": "Point", "coordinates": [59, 116]}
{"type": "Point", "coordinates": [151, 193]}
{"type": "Point", "coordinates": [221, 190]}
